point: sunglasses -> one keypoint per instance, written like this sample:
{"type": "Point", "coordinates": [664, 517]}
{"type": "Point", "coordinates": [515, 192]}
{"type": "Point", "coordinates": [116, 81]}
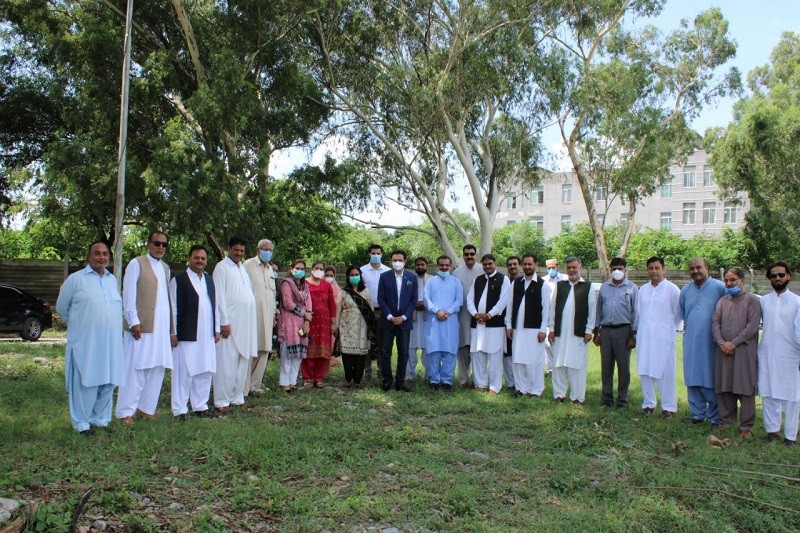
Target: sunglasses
{"type": "Point", "coordinates": [159, 244]}
{"type": "Point", "coordinates": [469, 255]}
{"type": "Point", "coordinates": [731, 280]}
{"type": "Point", "coordinates": [777, 275]}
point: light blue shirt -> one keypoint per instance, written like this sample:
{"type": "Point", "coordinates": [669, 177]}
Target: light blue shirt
{"type": "Point", "coordinates": [442, 295]}
{"type": "Point", "coordinates": [699, 349]}
{"type": "Point", "coordinates": [91, 306]}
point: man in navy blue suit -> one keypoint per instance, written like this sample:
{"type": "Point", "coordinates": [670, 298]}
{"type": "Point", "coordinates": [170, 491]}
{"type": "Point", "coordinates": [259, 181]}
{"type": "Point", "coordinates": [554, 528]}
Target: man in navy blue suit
{"type": "Point", "coordinates": [397, 296]}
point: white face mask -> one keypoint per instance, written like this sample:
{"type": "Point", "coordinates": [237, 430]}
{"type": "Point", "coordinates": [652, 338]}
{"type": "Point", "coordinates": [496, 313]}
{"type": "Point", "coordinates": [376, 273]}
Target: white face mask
{"type": "Point", "coordinates": [398, 265]}
{"type": "Point", "coordinates": [330, 279]}
{"type": "Point", "coordinates": [617, 275]}
{"type": "Point", "coordinates": [318, 274]}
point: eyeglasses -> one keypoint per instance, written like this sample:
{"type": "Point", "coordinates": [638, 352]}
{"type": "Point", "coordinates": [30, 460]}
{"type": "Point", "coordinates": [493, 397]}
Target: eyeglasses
{"type": "Point", "coordinates": [777, 275]}
{"type": "Point", "coordinates": [159, 244]}
{"type": "Point", "coordinates": [731, 280]}
{"type": "Point", "coordinates": [469, 255]}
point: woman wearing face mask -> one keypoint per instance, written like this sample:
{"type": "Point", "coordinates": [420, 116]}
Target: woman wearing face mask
{"type": "Point", "coordinates": [315, 367]}
{"type": "Point", "coordinates": [356, 325]}
{"type": "Point", "coordinates": [294, 324]}
{"type": "Point", "coordinates": [330, 277]}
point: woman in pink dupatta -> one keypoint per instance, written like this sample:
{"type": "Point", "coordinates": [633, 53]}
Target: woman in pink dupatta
{"type": "Point", "coordinates": [294, 325]}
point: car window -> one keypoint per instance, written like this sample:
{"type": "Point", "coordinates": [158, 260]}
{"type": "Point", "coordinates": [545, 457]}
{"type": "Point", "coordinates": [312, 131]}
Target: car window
{"type": "Point", "coordinates": [7, 293]}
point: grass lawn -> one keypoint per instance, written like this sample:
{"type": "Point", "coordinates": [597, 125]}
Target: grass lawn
{"type": "Point", "coordinates": [340, 460]}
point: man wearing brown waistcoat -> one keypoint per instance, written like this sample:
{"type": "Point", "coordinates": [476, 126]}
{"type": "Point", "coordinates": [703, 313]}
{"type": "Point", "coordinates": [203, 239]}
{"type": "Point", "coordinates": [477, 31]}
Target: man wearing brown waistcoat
{"type": "Point", "coordinates": [148, 315]}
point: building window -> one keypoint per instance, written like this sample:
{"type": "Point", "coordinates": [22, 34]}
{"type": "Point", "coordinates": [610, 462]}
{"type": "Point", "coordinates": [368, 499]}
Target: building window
{"type": "Point", "coordinates": [689, 180]}
{"type": "Point", "coordinates": [666, 187]}
{"type": "Point", "coordinates": [708, 177]}
{"type": "Point", "coordinates": [566, 193]}
{"type": "Point", "coordinates": [709, 212]}
{"type": "Point", "coordinates": [537, 195]}
{"type": "Point", "coordinates": [623, 219]}
{"type": "Point", "coordinates": [599, 194]}
{"type": "Point", "coordinates": [666, 220]}
{"type": "Point", "coordinates": [601, 219]}
{"type": "Point", "coordinates": [511, 202]}
{"type": "Point", "coordinates": [730, 213]}
{"type": "Point", "coordinates": [510, 222]}
{"type": "Point", "coordinates": [537, 222]}
{"type": "Point", "coordinates": [688, 213]}
{"type": "Point", "coordinates": [566, 221]}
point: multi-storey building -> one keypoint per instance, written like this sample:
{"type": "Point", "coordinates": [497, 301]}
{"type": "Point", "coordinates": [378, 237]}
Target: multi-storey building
{"type": "Point", "coordinates": [687, 204]}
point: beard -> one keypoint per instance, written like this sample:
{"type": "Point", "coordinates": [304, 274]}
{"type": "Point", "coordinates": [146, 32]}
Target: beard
{"type": "Point", "coordinates": [779, 286]}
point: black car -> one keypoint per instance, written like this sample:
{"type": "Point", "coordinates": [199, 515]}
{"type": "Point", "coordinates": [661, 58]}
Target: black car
{"type": "Point", "coordinates": [20, 312]}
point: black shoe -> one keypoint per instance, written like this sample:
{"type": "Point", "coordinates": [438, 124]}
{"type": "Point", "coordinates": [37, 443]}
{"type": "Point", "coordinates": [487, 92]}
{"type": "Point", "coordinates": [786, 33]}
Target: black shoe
{"type": "Point", "coordinates": [403, 388]}
{"type": "Point", "coordinates": [434, 386]}
{"type": "Point", "coordinates": [790, 442]}
{"type": "Point", "coordinates": [181, 417]}
{"type": "Point", "coordinates": [690, 420]}
{"type": "Point", "coordinates": [86, 433]}
{"type": "Point", "coordinates": [447, 387]}
{"type": "Point", "coordinates": [208, 413]}
{"type": "Point", "coordinates": [386, 386]}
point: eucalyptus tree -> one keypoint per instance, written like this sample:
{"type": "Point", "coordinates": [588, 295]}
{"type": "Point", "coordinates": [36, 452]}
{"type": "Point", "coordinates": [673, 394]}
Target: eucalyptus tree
{"type": "Point", "coordinates": [622, 98]}
{"type": "Point", "coordinates": [431, 96]}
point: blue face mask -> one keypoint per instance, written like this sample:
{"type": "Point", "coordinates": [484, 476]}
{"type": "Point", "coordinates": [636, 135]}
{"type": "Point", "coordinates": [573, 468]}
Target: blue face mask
{"type": "Point", "coordinates": [298, 274]}
{"type": "Point", "coordinates": [733, 290]}
{"type": "Point", "coordinates": [375, 259]}
{"type": "Point", "coordinates": [553, 272]}
{"type": "Point", "coordinates": [444, 275]}
{"type": "Point", "coordinates": [265, 255]}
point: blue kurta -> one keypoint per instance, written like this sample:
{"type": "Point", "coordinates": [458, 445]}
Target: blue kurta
{"type": "Point", "coordinates": [92, 308]}
{"type": "Point", "coordinates": [699, 349]}
{"type": "Point", "coordinates": [442, 295]}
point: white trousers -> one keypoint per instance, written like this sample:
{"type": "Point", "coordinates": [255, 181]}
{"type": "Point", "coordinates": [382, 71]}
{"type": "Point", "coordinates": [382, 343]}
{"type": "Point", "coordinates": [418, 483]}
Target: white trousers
{"type": "Point", "coordinates": [464, 360]}
{"type": "Point", "coordinates": [548, 356]}
{"type": "Point", "coordinates": [258, 366]}
{"type": "Point", "coordinates": [575, 378]}
{"type": "Point", "coordinates": [487, 370]}
{"type": "Point", "coordinates": [666, 385]}
{"type": "Point", "coordinates": [508, 373]}
{"type": "Point", "coordinates": [411, 368]}
{"type": "Point", "coordinates": [190, 389]}
{"type": "Point", "coordinates": [141, 390]}
{"type": "Point", "coordinates": [290, 368]}
{"type": "Point", "coordinates": [232, 373]}
{"type": "Point", "coordinates": [529, 379]}
{"type": "Point", "coordinates": [771, 408]}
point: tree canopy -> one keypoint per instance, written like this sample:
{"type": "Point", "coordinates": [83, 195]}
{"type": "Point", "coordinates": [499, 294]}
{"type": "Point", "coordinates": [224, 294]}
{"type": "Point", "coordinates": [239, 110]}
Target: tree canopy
{"type": "Point", "coordinates": [759, 152]}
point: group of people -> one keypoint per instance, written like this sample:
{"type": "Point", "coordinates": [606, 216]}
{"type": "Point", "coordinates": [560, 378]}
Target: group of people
{"type": "Point", "coordinates": [493, 328]}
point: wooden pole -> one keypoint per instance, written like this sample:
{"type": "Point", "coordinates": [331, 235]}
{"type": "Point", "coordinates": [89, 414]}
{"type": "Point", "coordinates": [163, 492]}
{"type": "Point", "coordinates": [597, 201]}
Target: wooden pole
{"type": "Point", "coordinates": [119, 217]}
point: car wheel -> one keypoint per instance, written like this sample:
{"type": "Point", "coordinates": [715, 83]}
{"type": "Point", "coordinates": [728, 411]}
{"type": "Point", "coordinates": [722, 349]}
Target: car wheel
{"type": "Point", "coordinates": [31, 329]}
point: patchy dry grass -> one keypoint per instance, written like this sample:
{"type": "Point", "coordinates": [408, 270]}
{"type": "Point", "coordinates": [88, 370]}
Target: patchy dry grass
{"type": "Point", "coordinates": [342, 460]}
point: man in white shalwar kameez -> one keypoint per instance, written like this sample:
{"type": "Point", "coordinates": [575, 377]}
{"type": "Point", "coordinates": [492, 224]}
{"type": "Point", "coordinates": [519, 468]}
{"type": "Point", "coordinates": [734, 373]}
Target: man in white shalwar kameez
{"type": "Point", "coordinates": [466, 274]}
{"type": "Point", "coordinates": [237, 315]}
{"type": "Point", "coordinates": [416, 341]}
{"type": "Point", "coordinates": [572, 320]}
{"type": "Point", "coordinates": [91, 306]}
{"type": "Point", "coordinates": [196, 321]}
{"type": "Point", "coordinates": [443, 299]}
{"type": "Point", "coordinates": [513, 271]}
{"type": "Point", "coordinates": [659, 315]}
{"type": "Point", "coordinates": [148, 315]}
{"type": "Point", "coordinates": [529, 303]}
{"type": "Point", "coordinates": [262, 278]}
{"type": "Point", "coordinates": [486, 301]}
{"type": "Point", "coordinates": [779, 356]}
{"type": "Point", "coordinates": [552, 278]}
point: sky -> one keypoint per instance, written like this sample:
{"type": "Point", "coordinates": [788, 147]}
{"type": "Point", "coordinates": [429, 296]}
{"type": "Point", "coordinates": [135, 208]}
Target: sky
{"type": "Point", "coordinates": [755, 26]}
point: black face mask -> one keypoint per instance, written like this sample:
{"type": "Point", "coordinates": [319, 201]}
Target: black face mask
{"type": "Point", "coordinates": [422, 271]}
